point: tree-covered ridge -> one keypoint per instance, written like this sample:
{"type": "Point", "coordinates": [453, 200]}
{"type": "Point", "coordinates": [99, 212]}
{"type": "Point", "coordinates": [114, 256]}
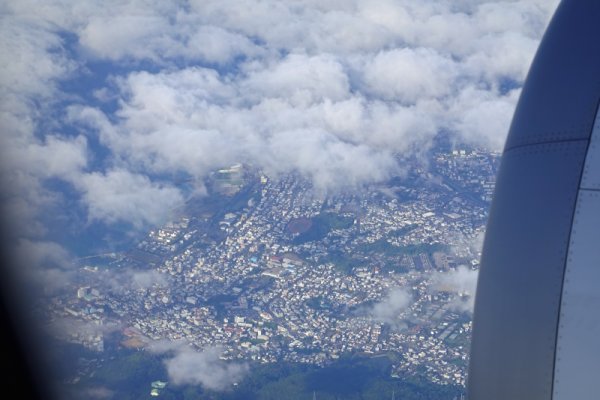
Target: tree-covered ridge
{"type": "Point", "coordinates": [129, 376]}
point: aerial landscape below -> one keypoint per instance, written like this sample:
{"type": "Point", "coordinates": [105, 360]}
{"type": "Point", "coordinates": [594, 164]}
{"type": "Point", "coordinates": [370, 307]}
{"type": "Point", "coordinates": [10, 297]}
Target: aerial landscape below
{"type": "Point", "coordinates": [264, 271]}
{"type": "Point", "coordinates": [253, 199]}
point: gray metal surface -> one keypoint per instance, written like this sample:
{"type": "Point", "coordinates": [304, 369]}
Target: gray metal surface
{"type": "Point", "coordinates": [559, 97]}
{"type": "Point", "coordinates": [518, 300]}
{"type": "Point", "coordinates": [577, 372]}
{"type": "Point", "coordinates": [518, 293]}
{"type": "Point", "coordinates": [591, 171]}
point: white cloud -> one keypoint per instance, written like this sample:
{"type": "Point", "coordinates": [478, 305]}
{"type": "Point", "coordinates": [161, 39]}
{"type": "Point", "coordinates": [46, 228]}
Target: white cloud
{"type": "Point", "coordinates": [462, 282]}
{"type": "Point", "coordinates": [409, 75]}
{"type": "Point", "coordinates": [502, 56]}
{"type": "Point", "coordinates": [188, 366]}
{"type": "Point", "coordinates": [37, 61]}
{"type": "Point", "coordinates": [126, 280]}
{"type": "Point", "coordinates": [214, 44]}
{"type": "Point", "coordinates": [34, 63]}
{"type": "Point", "coordinates": [390, 308]}
{"type": "Point", "coordinates": [45, 264]}
{"type": "Point", "coordinates": [146, 279]}
{"type": "Point", "coordinates": [482, 117]}
{"type": "Point", "coordinates": [204, 368]}
{"type": "Point", "coordinates": [330, 89]}
{"type": "Point", "coordinates": [299, 79]}
{"type": "Point", "coordinates": [121, 196]}
{"type": "Point", "coordinates": [117, 36]}
{"type": "Point", "coordinates": [43, 254]}
{"type": "Point", "coordinates": [56, 156]}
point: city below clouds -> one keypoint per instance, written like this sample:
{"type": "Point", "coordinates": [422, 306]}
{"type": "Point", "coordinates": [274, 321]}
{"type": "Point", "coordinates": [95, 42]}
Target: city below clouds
{"type": "Point", "coordinates": [460, 283]}
{"type": "Point", "coordinates": [105, 103]}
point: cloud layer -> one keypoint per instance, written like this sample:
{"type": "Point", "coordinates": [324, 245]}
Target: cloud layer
{"type": "Point", "coordinates": [104, 103]}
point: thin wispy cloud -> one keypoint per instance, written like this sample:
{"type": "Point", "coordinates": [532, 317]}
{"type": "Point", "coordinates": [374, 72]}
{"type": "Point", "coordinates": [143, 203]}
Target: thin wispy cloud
{"type": "Point", "coordinates": [187, 366]}
{"type": "Point", "coordinates": [391, 307]}
{"type": "Point", "coordinates": [461, 283]}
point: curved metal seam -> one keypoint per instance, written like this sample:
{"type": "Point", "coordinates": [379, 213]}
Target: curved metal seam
{"type": "Point", "coordinates": [521, 146]}
{"type": "Point", "coordinates": [562, 283]}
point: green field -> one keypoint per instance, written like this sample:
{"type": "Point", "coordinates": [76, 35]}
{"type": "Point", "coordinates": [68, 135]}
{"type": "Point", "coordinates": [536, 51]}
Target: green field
{"type": "Point", "coordinates": [321, 225]}
{"type": "Point", "coordinates": [351, 378]}
{"type": "Point", "coordinates": [342, 261]}
{"type": "Point", "coordinates": [384, 247]}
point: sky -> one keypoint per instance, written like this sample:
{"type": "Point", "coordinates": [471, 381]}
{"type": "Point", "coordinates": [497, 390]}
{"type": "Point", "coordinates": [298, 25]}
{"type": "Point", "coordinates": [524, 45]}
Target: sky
{"type": "Point", "coordinates": [105, 105]}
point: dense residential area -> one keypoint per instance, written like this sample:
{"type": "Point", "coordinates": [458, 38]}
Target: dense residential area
{"type": "Point", "coordinates": [267, 270]}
